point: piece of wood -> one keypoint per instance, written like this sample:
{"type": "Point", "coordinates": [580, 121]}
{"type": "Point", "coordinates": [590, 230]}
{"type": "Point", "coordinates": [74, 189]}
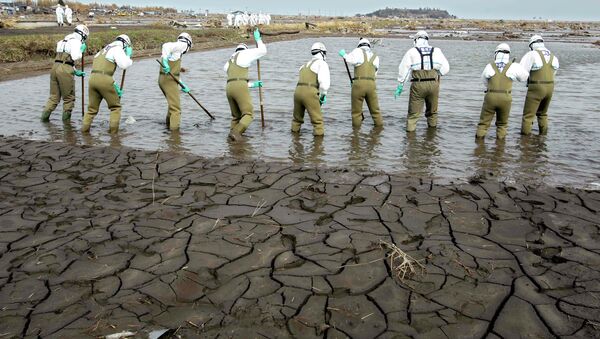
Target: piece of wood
{"type": "Point", "coordinates": [83, 86]}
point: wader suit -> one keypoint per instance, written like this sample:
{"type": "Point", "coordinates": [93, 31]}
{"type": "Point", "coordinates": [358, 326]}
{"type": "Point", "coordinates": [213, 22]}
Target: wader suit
{"type": "Point", "coordinates": [364, 88]}
{"type": "Point", "coordinates": [306, 97]}
{"type": "Point", "coordinates": [62, 82]}
{"type": "Point", "coordinates": [170, 89]}
{"type": "Point", "coordinates": [238, 95]}
{"type": "Point", "coordinates": [101, 88]}
{"type": "Point", "coordinates": [424, 90]}
{"type": "Point", "coordinates": [539, 94]}
{"type": "Point", "coordinates": [497, 102]}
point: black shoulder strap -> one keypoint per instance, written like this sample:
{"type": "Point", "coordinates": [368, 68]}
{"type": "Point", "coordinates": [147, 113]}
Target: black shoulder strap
{"type": "Point", "coordinates": [430, 55]}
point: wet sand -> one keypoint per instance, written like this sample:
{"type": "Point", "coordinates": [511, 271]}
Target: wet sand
{"type": "Point", "coordinates": [97, 240]}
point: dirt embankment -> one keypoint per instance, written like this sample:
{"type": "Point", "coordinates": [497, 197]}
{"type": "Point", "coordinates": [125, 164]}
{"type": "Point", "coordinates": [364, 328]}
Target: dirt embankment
{"type": "Point", "coordinates": [124, 240]}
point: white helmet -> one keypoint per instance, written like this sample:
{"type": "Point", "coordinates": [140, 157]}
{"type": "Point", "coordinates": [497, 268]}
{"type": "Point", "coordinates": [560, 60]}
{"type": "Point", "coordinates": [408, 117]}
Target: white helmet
{"type": "Point", "coordinates": [535, 39]}
{"type": "Point", "coordinates": [503, 47]}
{"type": "Point", "coordinates": [241, 47]}
{"type": "Point", "coordinates": [186, 38]}
{"type": "Point", "coordinates": [421, 35]}
{"type": "Point", "coordinates": [318, 47]}
{"type": "Point", "coordinates": [124, 39]}
{"type": "Point", "coordinates": [364, 42]}
{"type": "Point", "coordinates": [83, 31]}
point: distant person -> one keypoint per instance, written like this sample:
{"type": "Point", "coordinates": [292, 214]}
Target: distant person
{"type": "Point", "coordinates": [103, 87]}
{"type": "Point", "coordinates": [62, 82]}
{"type": "Point", "coordinates": [498, 76]}
{"type": "Point", "coordinates": [311, 90]}
{"type": "Point", "coordinates": [60, 13]}
{"type": "Point", "coordinates": [366, 65]}
{"type": "Point", "coordinates": [238, 95]}
{"type": "Point", "coordinates": [172, 52]}
{"type": "Point", "coordinates": [229, 19]}
{"type": "Point", "coordinates": [69, 15]}
{"type": "Point", "coordinates": [542, 66]}
{"type": "Point", "coordinates": [268, 19]}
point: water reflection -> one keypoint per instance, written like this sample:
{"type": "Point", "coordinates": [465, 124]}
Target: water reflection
{"type": "Point", "coordinates": [488, 160]}
{"type": "Point", "coordinates": [241, 149]}
{"type": "Point", "coordinates": [364, 145]}
{"type": "Point", "coordinates": [298, 153]}
{"type": "Point", "coordinates": [422, 153]}
{"type": "Point", "coordinates": [533, 158]}
{"type": "Point", "coordinates": [67, 133]}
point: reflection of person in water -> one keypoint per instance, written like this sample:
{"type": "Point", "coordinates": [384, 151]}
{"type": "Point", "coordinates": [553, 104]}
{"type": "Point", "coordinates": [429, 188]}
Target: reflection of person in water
{"type": "Point", "coordinates": [533, 160]}
{"type": "Point", "coordinates": [173, 141]}
{"type": "Point", "coordinates": [241, 149]}
{"type": "Point", "coordinates": [489, 162]}
{"type": "Point", "coordinates": [67, 134]}
{"type": "Point", "coordinates": [363, 146]}
{"type": "Point", "coordinates": [422, 154]}
{"type": "Point", "coordinates": [298, 153]}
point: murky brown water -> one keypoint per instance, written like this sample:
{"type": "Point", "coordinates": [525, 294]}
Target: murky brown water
{"type": "Point", "coordinates": [569, 155]}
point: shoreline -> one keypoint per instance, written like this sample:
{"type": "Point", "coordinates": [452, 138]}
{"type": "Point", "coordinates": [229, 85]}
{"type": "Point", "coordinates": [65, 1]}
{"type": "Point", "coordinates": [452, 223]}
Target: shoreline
{"type": "Point", "coordinates": [24, 69]}
{"type": "Point", "coordinates": [123, 239]}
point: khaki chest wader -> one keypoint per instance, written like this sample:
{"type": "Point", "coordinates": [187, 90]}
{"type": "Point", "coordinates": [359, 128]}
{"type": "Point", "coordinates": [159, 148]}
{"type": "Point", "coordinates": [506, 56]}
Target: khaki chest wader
{"type": "Point", "coordinates": [365, 89]}
{"type": "Point", "coordinates": [238, 96]}
{"type": "Point", "coordinates": [539, 95]}
{"type": "Point", "coordinates": [62, 85]}
{"type": "Point", "coordinates": [170, 89]}
{"type": "Point", "coordinates": [424, 92]}
{"type": "Point", "coordinates": [101, 88]}
{"type": "Point", "coordinates": [306, 98]}
{"type": "Point", "coordinates": [497, 102]}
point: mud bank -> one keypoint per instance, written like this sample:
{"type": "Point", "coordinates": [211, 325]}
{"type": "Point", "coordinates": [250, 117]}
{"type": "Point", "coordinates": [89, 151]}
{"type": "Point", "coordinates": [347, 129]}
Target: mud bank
{"type": "Point", "coordinates": [96, 240]}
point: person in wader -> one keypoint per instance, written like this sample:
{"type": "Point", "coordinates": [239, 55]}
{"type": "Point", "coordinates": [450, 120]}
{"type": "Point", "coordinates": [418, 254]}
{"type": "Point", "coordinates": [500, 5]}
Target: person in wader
{"type": "Point", "coordinates": [542, 66]}
{"type": "Point", "coordinates": [102, 85]}
{"type": "Point", "coordinates": [171, 63]}
{"type": "Point", "coordinates": [498, 77]}
{"type": "Point", "coordinates": [427, 65]}
{"type": "Point", "coordinates": [238, 84]}
{"type": "Point", "coordinates": [62, 82]}
{"type": "Point", "coordinates": [366, 65]}
{"type": "Point", "coordinates": [311, 90]}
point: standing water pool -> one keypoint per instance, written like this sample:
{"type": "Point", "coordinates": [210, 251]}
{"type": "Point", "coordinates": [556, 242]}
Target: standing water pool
{"type": "Point", "coordinates": [569, 155]}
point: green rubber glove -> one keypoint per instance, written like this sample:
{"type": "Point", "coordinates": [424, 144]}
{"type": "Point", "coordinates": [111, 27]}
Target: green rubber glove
{"type": "Point", "coordinates": [129, 51]}
{"type": "Point", "coordinates": [118, 89]}
{"type": "Point", "coordinates": [256, 84]}
{"type": "Point", "coordinates": [83, 47]}
{"type": "Point", "coordinates": [257, 37]}
{"type": "Point", "coordinates": [323, 99]}
{"type": "Point", "coordinates": [166, 67]}
{"type": "Point", "coordinates": [184, 88]}
{"type": "Point", "coordinates": [79, 73]}
{"type": "Point", "coordinates": [342, 53]}
{"type": "Point", "coordinates": [398, 91]}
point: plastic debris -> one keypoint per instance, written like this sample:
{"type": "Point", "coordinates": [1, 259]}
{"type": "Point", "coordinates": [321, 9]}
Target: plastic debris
{"type": "Point", "coordinates": [120, 335]}
{"type": "Point", "coordinates": [130, 120]}
{"type": "Point", "coordinates": [160, 334]}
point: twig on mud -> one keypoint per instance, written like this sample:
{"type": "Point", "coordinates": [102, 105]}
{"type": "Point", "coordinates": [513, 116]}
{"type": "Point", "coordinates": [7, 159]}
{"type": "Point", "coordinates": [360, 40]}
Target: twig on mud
{"type": "Point", "coordinates": [402, 264]}
{"type": "Point", "coordinates": [251, 234]}
{"type": "Point", "coordinates": [259, 206]}
{"type": "Point", "coordinates": [154, 177]}
{"type": "Point", "coordinates": [215, 225]}
{"type": "Point", "coordinates": [363, 264]}
{"type": "Point", "coordinates": [191, 323]}
{"type": "Point", "coordinates": [366, 316]}
{"type": "Point", "coordinates": [467, 269]}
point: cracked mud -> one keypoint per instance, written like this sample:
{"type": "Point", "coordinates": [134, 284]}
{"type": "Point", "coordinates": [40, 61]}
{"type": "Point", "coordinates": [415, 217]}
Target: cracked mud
{"type": "Point", "coordinates": [96, 241]}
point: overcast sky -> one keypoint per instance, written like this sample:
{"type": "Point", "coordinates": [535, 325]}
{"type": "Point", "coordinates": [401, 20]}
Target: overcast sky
{"type": "Point", "coordinates": [506, 9]}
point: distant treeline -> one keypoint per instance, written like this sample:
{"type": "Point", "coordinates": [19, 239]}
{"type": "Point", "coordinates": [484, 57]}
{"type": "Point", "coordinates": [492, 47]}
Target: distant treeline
{"type": "Point", "coordinates": [433, 13]}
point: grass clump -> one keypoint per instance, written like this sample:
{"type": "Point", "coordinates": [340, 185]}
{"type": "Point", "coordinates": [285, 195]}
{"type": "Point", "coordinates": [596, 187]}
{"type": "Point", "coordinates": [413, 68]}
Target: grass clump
{"type": "Point", "coordinates": [41, 46]}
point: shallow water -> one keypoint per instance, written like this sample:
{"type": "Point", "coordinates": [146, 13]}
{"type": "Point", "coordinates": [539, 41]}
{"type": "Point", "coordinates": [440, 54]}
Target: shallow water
{"type": "Point", "coordinates": [567, 156]}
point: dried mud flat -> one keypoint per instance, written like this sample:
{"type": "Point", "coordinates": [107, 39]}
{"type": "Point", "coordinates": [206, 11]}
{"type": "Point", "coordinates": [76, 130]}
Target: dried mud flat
{"type": "Point", "coordinates": [95, 240]}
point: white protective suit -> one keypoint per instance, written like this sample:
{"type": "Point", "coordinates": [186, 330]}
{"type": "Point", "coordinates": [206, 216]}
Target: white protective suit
{"type": "Point", "coordinates": [71, 44]}
{"type": "Point", "coordinates": [116, 54]}
{"type": "Point", "coordinates": [532, 61]}
{"type": "Point", "coordinates": [356, 57]}
{"type": "Point", "coordinates": [412, 61]}
{"type": "Point", "coordinates": [248, 56]}
{"type": "Point", "coordinates": [60, 13]}
{"type": "Point", "coordinates": [516, 72]}
{"type": "Point", "coordinates": [321, 68]}
{"type": "Point", "coordinates": [69, 15]}
{"type": "Point", "coordinates": [173, 50]}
